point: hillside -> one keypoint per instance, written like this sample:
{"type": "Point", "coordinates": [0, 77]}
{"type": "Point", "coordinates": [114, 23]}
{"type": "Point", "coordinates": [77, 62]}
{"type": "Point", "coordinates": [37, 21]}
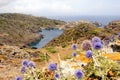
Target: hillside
{"type": "Point", "coordinates": [20, 29]}
{"type": "Point", "coordinates": [78, 33]}
{"type": "Point", "coordinates": [113, 27]}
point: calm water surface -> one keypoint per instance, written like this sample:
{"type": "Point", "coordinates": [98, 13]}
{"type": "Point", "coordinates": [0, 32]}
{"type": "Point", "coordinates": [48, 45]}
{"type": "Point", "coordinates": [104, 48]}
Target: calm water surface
{"type": "Point", "coordinates": [48, 36]}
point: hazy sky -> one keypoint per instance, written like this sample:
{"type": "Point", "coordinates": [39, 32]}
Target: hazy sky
{"type": "Point", "coordinates": [61, 7]}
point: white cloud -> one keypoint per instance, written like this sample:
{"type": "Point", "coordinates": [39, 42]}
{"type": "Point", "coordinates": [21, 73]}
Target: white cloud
{"type": "Point", "coordinates": [38, 6]}
{"type": "Point", "coordinates": [60, 7]}
{"type": "Point", "coordinates": [5, 2]}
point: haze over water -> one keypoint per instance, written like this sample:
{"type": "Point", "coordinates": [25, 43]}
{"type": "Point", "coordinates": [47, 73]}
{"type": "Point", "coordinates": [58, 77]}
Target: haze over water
{"type": "Point", "coordinates": [101, 19]}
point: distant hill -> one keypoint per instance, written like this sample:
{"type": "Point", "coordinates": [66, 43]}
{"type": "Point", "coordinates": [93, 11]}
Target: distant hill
{"type": "Point", "coordinates": [19, 29]}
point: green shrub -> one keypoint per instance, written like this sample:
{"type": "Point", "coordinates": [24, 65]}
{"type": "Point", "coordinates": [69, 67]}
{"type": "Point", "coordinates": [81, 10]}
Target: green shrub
{"type": "Point", "coordinates": [94, 31]}
{"type": "Point", "coordinates": [51, 50]}
{"type": "Point", "coordinates": [67, 57]}
{"type": "Point", "coordinates": [64, 45]}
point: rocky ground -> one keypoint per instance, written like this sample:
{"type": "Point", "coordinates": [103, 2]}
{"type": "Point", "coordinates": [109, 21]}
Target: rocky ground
{"type": "Point", "coordinates": [22, 30]}
{"type": "Point", "coordinates": [12, 56]}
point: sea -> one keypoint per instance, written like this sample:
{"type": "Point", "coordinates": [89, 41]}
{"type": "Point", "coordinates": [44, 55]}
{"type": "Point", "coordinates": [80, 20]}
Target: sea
{"type": "Point", "coordinates": [104, 20]}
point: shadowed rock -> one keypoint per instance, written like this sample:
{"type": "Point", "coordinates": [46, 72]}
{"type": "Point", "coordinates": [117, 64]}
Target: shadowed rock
{"type": "Point", "coordinates": [116, 48]}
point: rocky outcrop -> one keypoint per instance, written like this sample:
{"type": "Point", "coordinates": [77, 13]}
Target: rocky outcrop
{"type": "Point", "coordinates": [72, 24]}
{"type": "Point", "coordinates": [97, 24]}
{"type": "Point", "coordinates": [116, 48]}
{"type": "Point", "coordinates": [113, 27]}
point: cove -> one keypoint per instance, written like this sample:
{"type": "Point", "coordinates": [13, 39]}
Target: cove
{"type": "Point", "coordinates": [48, 35]}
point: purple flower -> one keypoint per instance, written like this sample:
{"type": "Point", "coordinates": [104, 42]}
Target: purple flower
{"type": "Point", "coordinates": [31, 64]}
{"type": "Point", "coordinates": [79, 74]}
{"type": "Point", "coordinates": [74, 54]}
{"type": "Point", "coordinates": [57, 75]}
{"type": "Point", "coordinates": [96, 39]}
{"type": "Point", "coordinates": [107, 42]}
{"type": "Point", "coordinates": [74, 46]}
{"type": "Point", "coordinates": [89, 54]}
{"type": "Point", "coordinates": [25, 62]}
{"type": "Point", "coordinates": [52, 66]}
{"type": "Point", "coordinates": [102, 42]}
{"type": "Point", "coordinates": [108, 39]}
{"type": "Point", "coordinates": [113, 38]}
{"type": "Point", "coordinates": [118, 36]}
{"type": "Point", "coordinates": [97, 45]}
{"type": "Point", "coordinates": [18, 78]}
{"type": "Point", "coordinates": [23, 69]}
{"type": "Point", "coordinates": [86, 45]}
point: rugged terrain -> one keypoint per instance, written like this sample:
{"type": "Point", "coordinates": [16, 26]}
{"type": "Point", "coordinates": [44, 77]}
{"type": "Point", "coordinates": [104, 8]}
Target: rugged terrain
{"type": "Point", "coordinates": [113, 27]}
{"type": "Point", "coordinates": [20, 29]}
{"type": "Point", "coordinates": [79, 32]}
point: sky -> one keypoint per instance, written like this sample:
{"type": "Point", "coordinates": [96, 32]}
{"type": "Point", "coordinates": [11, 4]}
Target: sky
{"type": "Point", "coordinates": [61, 7]}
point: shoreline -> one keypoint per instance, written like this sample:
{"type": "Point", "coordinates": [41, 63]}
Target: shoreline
{"type": "Point", "coordinates": [34, 42]}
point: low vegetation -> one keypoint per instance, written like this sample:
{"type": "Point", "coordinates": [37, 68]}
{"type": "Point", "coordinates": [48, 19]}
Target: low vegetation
{"type": "Point", "coordinates": [77, 34]}
{"type": "Point", "coordinates": [20, 29]}
{"type": "Point", "coordinates": [97, 66]}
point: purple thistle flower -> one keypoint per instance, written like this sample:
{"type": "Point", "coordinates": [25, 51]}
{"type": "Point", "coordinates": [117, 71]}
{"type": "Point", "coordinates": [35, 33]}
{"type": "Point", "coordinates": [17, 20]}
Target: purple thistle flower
{"type": "Point", "coordinates": [107, 42]}
{"type": "Point", "coordinates": [96, 39]}
{"type": "Point", "coordinates": [79, 74]}
{"type": "Point", "coordinates": [18, 78]}
{"type": "Point", "coordinates": [23, 69]}
{"type": "Point", "coordinates": [113, 38]}
{"type": "Point", "coordinates": [25, 62]}
{"type": "Point", "coordinates": [74, 46]}
{"type": "Point", "coordinates": [102, 42]}
{"type": "Point", "coordinates": [52, 66]}
{"type": "Point", "coordinates": [89, 54]}
{"type": "Point", "coordinates": [108, 39]}
{"type": "Point", "coordinates": [57, 76]}
{"type": "Point", "coordinates": [86, 45]}
{"type": "Point", "coordinates": [31, 64]}
{"type": "Point", "coordinates": [74, 54]}
{"type": "Point", "coordinates": [97, 45]}
{"type": "Point", "coordinates": [119, 36]}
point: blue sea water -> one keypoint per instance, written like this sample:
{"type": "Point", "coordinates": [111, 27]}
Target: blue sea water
{"type": "Point", "coordinates": [104, 20]}
{"type": "Point", "coordinates": [48, 36]}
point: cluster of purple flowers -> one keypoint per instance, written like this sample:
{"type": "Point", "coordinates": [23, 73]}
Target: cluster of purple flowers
{"type": "Point", "coordinates": [97, 43]}
{"type": "Point", "coordinates": [109, 39]}
{"type": "Point", "coordinates": [74, 47]}
{"type": "Point", "coordinates": [27, 64]}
